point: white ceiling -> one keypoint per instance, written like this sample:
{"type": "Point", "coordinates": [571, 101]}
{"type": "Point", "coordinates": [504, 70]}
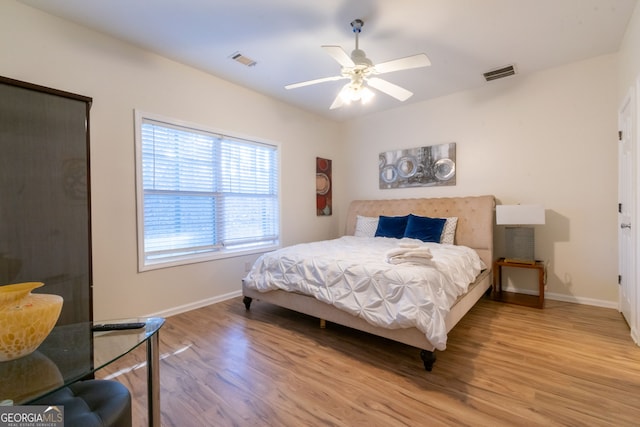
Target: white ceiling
{"type": "Point", "coordinates": [463, 39]}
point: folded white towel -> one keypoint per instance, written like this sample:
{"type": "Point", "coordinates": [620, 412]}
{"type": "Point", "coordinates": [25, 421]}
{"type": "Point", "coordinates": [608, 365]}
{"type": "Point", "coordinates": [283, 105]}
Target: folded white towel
{"type": "Point", "coordinates": [412, 260]}
{"type": "Point", "coordinates": [422, 252]}
{"type": "Point", "coordinates": [409, 253]}
{"type": "Point", "coordinates": [409, 245]}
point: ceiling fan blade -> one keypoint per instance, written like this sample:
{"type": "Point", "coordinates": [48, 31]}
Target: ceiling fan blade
{"type": "Point", "coordinates": [339, 55]}
{"type": "Point", "coordinates": [313, 82]}
{"type": "Point", "coordinates": [390, 89]}
{"type": "Point", "coordinates": [415, 61]}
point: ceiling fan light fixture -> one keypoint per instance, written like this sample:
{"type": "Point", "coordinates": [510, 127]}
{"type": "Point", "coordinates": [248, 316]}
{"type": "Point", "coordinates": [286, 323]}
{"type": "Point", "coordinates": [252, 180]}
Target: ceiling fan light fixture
{"type": "Point", "coordinates": [348, 94]}
{"type": "Point", "coordinates": [366, 95]}
{"type": "Point", "coordinates": [360, 70]}
{"type": "Point", "coordinates": [354, 93]}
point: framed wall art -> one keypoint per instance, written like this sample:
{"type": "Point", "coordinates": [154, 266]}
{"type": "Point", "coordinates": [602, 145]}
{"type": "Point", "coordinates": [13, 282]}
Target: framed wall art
{"type": "Point", "coordinates": [323, 187]}
{"type": "Point", "coordinates": [430, 166]}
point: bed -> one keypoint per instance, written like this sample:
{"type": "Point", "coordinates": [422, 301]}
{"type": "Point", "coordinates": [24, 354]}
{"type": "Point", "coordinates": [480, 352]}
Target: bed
{"type": "Point", "coordinates": [474, 230]}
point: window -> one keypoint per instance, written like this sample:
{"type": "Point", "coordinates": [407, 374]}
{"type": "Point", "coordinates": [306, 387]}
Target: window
{"type": "Point", "coordinates": [202, 195]}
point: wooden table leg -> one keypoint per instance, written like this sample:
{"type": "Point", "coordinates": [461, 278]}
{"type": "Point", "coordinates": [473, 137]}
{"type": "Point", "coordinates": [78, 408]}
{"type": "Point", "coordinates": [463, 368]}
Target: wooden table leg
{"type": "Point", "coordinates": [497, 279]}
{"type": "Point", "coordinates": [541, 287]}
{"type": "Point", "coordinates": [153, 379]}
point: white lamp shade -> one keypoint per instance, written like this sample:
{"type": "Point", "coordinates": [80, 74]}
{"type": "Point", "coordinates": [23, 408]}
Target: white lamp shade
{"type": "Point", "coordinates": [519, 214]}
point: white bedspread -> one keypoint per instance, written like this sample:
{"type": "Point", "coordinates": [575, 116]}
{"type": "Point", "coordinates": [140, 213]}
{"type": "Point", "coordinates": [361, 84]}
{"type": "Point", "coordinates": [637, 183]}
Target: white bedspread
{"type": "Point", "coordinates": [353, 274]}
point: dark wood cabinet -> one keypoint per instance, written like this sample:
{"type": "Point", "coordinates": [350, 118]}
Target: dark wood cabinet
{"type": "Point", "coordinates": [45, 217]}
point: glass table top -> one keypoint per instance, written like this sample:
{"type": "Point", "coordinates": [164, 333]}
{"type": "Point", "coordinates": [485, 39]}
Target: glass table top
{"type": "Point", "coordinates": [70, 353]}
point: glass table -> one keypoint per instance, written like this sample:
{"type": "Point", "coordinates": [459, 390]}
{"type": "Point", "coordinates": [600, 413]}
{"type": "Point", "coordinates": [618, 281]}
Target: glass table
{"type": "Point", "coordinates": [75, 352]}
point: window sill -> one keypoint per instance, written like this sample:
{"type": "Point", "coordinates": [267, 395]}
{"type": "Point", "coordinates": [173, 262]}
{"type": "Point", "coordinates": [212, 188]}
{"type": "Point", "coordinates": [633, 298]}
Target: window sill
{"type": "Point", "coordinates": [194, 259]}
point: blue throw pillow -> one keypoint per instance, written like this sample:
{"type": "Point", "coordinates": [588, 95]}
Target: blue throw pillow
{"type": "Point", "coordinates": [424, 228]}
{"type": "Point", "coordinates": [391, 226]}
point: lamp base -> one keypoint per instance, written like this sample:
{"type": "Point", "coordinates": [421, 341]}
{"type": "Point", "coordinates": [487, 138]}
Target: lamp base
{"type": "Point", "coordinates": [519, 245]}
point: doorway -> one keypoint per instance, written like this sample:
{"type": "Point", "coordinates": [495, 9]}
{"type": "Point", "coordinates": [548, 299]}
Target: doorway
{"type": "Point", "coordinates": [626, 210]}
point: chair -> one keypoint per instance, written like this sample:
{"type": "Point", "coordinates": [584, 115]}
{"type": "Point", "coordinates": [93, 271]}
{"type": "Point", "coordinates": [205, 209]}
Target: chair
{"type": "Point", "coordinates": [99, 403]}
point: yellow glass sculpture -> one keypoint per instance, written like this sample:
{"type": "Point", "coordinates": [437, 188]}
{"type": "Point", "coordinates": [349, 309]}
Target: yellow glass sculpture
{"type": "Point", "coordinates": [26, 319]}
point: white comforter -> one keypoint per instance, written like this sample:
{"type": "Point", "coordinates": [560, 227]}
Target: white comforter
{"type": "Point", "coordinates": [354, 275]}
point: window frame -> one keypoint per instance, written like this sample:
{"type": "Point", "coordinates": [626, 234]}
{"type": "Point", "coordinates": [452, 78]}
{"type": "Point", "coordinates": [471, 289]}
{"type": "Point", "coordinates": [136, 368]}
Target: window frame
{"type": "Point", "coordinates": [146, 265]}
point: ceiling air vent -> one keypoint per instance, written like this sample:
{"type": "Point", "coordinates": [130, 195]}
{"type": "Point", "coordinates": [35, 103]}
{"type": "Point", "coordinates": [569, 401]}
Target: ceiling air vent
{"type": "Point", "coordinates": [237, 56]}
{"type": "Point", "coordinates": [507, 71]}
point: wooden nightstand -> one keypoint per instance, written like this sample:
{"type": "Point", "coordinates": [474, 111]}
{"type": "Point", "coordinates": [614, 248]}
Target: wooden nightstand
{"type": "Point", "coordinates": [516, 298]}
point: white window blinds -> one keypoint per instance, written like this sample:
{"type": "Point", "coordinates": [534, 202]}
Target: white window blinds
{"type": "Point", "coordinates": [205, 193]}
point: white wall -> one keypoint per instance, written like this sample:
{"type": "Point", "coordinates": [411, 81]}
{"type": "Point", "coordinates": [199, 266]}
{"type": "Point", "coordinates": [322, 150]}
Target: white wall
{"type": "Point", "coordinates": [547, 138]}
{"type": "Point", "coordinates": [44, 50]}
{"type": "Point", "coordinates": [629, 69]}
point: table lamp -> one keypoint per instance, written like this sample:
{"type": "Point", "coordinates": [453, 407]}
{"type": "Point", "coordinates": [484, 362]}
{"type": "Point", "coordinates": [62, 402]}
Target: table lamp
{"type": "Point", "coordinates": [519, 233]}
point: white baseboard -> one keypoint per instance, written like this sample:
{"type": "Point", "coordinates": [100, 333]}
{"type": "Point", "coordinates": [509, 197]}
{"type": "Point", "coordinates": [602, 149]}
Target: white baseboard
{"type": "Point", "coordinates": [582, 300]}
{"type": "Point", "coordinates": [567, 298]}
{"type": "Point", "coordinates": [194, 305]}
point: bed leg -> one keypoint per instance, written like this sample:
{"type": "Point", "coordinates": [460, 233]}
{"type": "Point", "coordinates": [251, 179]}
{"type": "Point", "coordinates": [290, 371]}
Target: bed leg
{"type": "Point", "coordinates": [247, 302]}
{"type": "Point", "coordinates": [323, 324]}
{"type": "Point", "coordinates": [429, 358]}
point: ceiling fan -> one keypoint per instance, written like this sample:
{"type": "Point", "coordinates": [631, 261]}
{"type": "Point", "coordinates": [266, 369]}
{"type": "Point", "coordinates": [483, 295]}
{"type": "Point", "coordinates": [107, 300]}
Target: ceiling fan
{"type": "Point", "coordinates": [360, 71]}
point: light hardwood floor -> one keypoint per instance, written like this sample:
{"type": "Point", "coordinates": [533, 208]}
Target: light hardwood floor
{"type": "Point", "coordinates": [508, 365]}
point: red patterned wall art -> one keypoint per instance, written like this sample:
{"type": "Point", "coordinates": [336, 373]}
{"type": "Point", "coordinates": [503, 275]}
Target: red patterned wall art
{"type": "Point", "coordinates": [323, 187]}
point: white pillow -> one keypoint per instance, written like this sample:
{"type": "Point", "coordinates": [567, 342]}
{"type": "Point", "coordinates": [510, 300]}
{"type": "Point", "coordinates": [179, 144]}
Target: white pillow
{"type": "Point", "coordinates": [366, 226]}
{"type": "Point", "coordinates": [449, 230]}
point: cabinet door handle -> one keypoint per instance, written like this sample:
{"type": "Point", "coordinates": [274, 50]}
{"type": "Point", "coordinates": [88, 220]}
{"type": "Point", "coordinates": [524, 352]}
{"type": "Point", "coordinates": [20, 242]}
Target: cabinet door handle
{"type": "Point", "coordinates": [625, 225]}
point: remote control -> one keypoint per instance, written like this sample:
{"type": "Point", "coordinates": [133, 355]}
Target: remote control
{"type": "Point", "coordinates": [117, 326]}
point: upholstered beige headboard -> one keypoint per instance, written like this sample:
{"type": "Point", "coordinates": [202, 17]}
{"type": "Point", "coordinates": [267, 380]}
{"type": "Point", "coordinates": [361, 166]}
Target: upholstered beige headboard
{"type": "Point", "coordinates": [475, 217]}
